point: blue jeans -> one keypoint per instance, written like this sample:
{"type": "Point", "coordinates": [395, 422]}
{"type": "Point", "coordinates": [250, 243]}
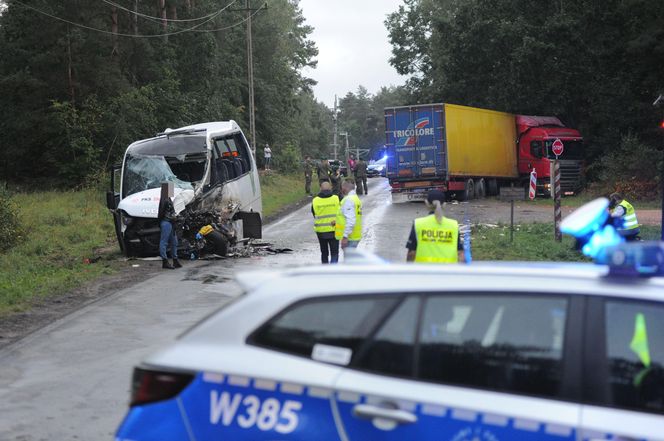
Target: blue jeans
{"type": "Point", "coordinates": [167, 235]}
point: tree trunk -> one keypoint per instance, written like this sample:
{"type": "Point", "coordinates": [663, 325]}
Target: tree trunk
{"type": "Point", "coordinates": [114, 29]}
{"type": "Point", "coordinates": [162, 14]}
{"type": "Point", "coordinates": [174, 12]}
{"type": "Point", "coordinates": [135, 17]}
{"type": "Point", "coordinates": [70, 71]}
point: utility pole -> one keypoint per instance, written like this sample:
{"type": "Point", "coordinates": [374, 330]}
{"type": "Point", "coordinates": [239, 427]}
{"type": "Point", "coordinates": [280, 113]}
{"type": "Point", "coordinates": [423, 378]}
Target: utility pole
{"type": "Point", "coordinates": [250, 73]}
{"type": "Point", "coordinates": [334, 118]}
{"type": "Point", "coordinates": [346, 150]}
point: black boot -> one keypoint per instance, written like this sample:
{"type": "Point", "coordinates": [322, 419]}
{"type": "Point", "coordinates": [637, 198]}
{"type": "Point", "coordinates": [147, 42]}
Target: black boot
{"type": "Point", "coordinates": [176, 264]}
{"type": "Point", "coordinates": [165, 264]}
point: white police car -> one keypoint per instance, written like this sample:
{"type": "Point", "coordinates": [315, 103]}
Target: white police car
{"type": "Point", "coordinates": [413, 352]}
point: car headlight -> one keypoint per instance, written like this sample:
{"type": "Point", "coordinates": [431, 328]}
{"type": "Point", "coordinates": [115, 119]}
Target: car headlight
{"type": "Point", "coordinates": [125, 219]}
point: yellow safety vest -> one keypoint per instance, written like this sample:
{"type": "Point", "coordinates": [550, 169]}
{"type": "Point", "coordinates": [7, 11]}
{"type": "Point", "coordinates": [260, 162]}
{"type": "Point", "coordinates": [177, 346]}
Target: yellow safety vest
{"type": "Point", "coordinates": [436, 242]}
{"type": "Point", "coordinates": [356, 234]}
{"type": "Point", "coordinates": [325, 210]}
{"type": "Point", "coordinates": [629, 219]}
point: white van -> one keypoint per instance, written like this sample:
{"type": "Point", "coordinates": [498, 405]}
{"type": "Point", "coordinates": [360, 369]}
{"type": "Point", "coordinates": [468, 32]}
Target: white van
{"type": "Point", "coordinates": [216, 183]}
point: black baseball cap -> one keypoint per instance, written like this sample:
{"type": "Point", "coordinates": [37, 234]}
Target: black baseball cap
{"type": "Point", "coordinates": [436, 195]}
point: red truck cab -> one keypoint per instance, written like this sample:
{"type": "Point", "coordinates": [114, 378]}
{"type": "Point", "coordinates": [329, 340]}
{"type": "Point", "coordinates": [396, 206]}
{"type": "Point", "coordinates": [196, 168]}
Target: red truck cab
{"type": "Point", "coordinates": [536, 134]}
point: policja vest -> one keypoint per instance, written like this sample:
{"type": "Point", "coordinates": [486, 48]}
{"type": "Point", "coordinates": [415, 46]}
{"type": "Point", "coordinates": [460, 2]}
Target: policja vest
{"type": "Point", "coordinates": [325, 210]}
{"type": "Point", "coordinates": [356, 234]}
{"type": "Point", "coordinates": [436, 242]}
{"type": "Point", "coordinates": [629, 219]}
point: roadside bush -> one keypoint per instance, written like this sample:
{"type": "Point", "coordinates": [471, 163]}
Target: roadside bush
{"type": "Point", "coordinates": [633, 169]}
{"type": "Point", "coordinates": [287, 159]}
{"type": "Point", "coordinates": [10, 225]}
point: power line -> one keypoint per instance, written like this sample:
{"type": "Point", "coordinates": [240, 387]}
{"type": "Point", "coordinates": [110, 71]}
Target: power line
{"type": "Point", "coordinates": [103, 31]}
{"type": "Point", "coordinates": [150, 17]}
{"type": "Point", "coordinates": [234, 24]}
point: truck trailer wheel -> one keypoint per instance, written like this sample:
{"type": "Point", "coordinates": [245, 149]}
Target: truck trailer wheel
{"type": "Point", "coordinates": [469, 190]}
{"type": "Point", "coordinates": [216, 243]}
{"type": "Point", "coordinates": [492, 187]}
{"type": "Point", "coordinates": [480, 189]}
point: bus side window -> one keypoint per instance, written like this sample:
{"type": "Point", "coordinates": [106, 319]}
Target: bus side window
{"type": "Point", "coordinates": [243, 151]}
{"type": "Point", "coordinates": [219, 171]}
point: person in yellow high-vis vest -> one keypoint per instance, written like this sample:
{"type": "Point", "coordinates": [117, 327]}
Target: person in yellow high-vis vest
{"type": "Point", "coordinates": [348, 229]}
{"type": "Point", "coordinates": [434, 238]}
{"type": "Point", "coordinates": [624, 217]}
{"type": "Point", "coordinates": [325, 207]}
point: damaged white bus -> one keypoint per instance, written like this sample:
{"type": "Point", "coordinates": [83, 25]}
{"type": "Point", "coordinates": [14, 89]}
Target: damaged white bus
{"type": "Point", "coordinates": [217, 190]}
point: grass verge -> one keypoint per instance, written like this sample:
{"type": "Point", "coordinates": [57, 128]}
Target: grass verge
{"type": "Point", "coordinates": [63, 229]}
{"type": "Point", "coordinates": [282, 190]}
{"type": "Point", "coordinates": [532, 242]}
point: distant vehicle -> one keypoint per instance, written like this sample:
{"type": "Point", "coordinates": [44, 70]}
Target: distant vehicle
{"type": "Point", "coordinates": [336, 164]}
{"type": "Point", "coordinates": [505, 351]}
{"type": "Point", "coordinates": [216, 186]}
{"type": "Point", "coordinates": [377, 168]}
{"type": "Point", "coordinates": [472, 152]}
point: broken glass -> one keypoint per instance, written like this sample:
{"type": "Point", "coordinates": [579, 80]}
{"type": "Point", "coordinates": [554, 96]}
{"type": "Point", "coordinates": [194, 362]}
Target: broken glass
{"type": "Point", "coordinates": [146, 172]}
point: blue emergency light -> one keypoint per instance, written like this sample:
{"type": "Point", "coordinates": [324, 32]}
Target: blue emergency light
{"type": "Point", "coordinates": [644, 259]}
{"type": "Point", "coordinates": [600, 241]}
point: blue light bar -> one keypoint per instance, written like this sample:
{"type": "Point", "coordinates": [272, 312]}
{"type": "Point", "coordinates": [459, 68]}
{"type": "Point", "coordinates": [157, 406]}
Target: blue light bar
{"type": "Point", "coordinates": [640, 259]}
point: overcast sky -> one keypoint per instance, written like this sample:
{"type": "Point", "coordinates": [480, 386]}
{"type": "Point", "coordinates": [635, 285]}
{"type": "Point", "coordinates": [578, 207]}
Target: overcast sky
{"type": "Point", "coordinates": [353, 46]}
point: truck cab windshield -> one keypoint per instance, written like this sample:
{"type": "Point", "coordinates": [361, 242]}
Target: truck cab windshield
{"type": "Point", "coordinates": [573, 150]}
{"type": "Point", "coordinates": [142, 172]}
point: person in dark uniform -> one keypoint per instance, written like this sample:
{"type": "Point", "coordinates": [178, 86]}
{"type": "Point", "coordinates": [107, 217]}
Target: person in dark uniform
{"type": "Point", "coordinates": [323, 171]}
{"type": "Point", "coordinates": [308, 173]}
{"type": "Point", "coordinates": [167, 218]}
{"type": "Point", "coordinates": [361, 176]}
{"type": "Point", "coordinates": [434, 238]}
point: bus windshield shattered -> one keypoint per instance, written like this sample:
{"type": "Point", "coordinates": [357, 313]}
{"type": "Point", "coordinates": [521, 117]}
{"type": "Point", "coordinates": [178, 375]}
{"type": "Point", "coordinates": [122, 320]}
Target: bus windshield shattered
{"type": "Point", "coordinates": [181, 160]}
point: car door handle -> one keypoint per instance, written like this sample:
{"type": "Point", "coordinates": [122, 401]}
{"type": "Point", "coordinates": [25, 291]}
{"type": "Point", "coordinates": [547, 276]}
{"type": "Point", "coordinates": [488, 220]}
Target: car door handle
{"type": "Point", "coordinates": [368, 411]}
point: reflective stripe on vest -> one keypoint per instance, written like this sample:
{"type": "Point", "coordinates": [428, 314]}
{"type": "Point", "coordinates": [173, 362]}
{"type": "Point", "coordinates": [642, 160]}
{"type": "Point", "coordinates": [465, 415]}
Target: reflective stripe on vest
{"type": "Point", "coordinates": [325, 210]}
{"type": "Point", "coordinates": [629, 219]}
{"type": "Point", "coordinates": [436, 242]}
{"type": "Point", "coordinates": [356, 234]}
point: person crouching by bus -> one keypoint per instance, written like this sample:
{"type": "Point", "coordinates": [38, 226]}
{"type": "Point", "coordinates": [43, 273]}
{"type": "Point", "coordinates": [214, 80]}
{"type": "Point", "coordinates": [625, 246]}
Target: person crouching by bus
{"type": "Point", "coordinates": [324, 208]}
{"type": "Point", "coordinates": [167, 217]}
{"type": "Point", "coordinates": [623, 216]}
{"type": "Point", "coordinates": [434, 238]}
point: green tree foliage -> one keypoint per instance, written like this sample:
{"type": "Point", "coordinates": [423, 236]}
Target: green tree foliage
{"type": "Point", "coordinates": [597, 65]}
{"type": "Point", "coordinates": [362, 117]}
{"type": "Point", "coordinates": [72, 99]}
{"type": "Point", "coordinates": [638, 178]}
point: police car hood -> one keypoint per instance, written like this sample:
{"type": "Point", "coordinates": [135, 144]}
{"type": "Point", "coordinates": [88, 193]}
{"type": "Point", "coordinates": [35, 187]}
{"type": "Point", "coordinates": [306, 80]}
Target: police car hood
{"type": "Point", "coordinates": [146, 203]}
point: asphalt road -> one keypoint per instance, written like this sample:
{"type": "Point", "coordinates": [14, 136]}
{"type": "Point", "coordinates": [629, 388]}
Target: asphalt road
{"type": "Point", "coordinates": [71, 380]}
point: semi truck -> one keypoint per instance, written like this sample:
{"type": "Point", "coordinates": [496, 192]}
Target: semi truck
{"type": "Point", "coordinates": [217, 191]}
{"type": "Point", "coordinates": [470, 152]}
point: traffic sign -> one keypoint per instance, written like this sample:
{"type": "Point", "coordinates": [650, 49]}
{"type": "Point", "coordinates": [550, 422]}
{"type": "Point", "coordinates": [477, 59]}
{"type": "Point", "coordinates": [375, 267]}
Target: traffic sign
{"type": "Point", "coordinates": [557, 147]}
{"type": "Point", "coordinates": [533, 184]}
